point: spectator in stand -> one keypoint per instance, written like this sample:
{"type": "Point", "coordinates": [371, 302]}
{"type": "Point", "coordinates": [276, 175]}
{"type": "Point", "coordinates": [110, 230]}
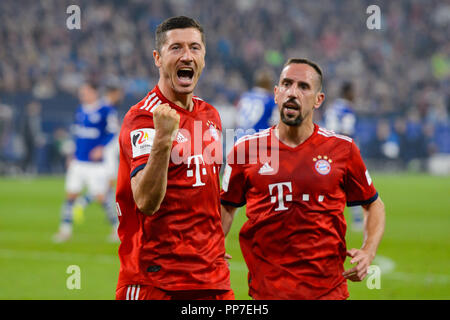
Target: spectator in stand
{"type": "Point", "coordinates": [39, 56]}
{"type": "Point", "coordinates": [33, 136]}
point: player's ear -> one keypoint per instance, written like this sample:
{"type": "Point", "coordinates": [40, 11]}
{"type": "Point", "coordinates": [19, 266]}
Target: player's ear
{"type": "Point", "coordinates": [157, 58]}
{"type": "Point", "coordinates": [320, 98]}
{"type": "Point", "coordinates": [275, 90]}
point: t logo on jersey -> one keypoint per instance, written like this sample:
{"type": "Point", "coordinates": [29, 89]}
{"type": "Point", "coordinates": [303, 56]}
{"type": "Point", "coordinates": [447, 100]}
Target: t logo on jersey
{"type": "Point", "coordinates": [190, 172]}
{"type": "Point", "coordinates": [280, 194]}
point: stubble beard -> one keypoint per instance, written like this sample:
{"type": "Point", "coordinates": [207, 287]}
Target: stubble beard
{"type": "Point", "coordinates": [292, 122]}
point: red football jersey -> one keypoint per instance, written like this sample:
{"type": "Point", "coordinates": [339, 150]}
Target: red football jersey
{"type": "Point", "coordinates": [181, 246]}
{"type": "Point", "coordinates": [294, 239]}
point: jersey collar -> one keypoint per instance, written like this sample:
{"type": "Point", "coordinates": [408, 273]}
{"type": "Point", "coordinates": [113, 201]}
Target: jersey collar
{"type": "Point", "coordinates": [173, 105]}
{"type": "Point", "coordinates": [316, 128]}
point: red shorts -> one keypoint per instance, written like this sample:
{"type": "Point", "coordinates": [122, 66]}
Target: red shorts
{"type": "Point", "coordinates": [146, 292]}
{"type": "Point", "coordinates": [338, 293]}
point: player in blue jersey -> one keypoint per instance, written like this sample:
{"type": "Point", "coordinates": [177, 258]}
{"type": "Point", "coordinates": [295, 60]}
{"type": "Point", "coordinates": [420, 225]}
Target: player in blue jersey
{"type": "Point", "coordinates": [256, 108]}
{"type": "Point", "coordinates": [95, 126]}
{"type": "Point", "coordinates": [113, 97]}
{"type": "Point", "coordinates": [340, 117]}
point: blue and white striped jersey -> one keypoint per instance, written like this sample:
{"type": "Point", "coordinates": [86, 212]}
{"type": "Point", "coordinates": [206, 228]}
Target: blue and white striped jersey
{"type": "Point", "coordinates": [94, 126]}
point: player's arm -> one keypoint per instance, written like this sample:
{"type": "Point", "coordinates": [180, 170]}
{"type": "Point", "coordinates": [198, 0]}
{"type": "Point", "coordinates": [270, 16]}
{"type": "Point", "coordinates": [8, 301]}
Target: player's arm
{"type": "Point", "coordinates": [149, 184]}
{"type": "Point", "coordinates": [233, 194]}
{"type": "Point", "coordinates": [227, 212]}
{"type": "Point", "coordinates": [374, 222]}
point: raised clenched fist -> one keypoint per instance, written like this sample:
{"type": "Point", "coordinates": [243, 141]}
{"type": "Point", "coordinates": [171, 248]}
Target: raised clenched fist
{"type": "Point", "coordinates": [166, 121]}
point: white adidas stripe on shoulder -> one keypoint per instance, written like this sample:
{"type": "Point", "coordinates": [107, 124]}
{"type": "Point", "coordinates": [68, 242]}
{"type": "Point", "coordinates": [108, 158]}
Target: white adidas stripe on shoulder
{"type": "Point", "coordinates": [256, 135]}
{"type": "Point", "coordinates": [155, 105]}
{"type": "Point", "coordinates": [329, 134]}
{"type": "Point", "coordinates": [148, 100]}
{"type": "Point", "coordinates": [332, 134]}
{"type": "Point", "coordinates": [326, 130]}
{"type": "Point", "coordinates": [151, 102]}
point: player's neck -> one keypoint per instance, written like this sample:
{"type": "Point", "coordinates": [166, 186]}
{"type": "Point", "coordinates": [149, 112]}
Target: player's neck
{"type": "Point", "coordinates": [293, 136]}
{"type": "Point", "coordinates": [182, 100]}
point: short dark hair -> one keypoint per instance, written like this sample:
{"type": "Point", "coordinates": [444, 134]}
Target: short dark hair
{"type": "Point", "coordinates": [264, 78]}
{"type": "Point", "coordinates": [112, 83]}
{"type": "Point", "coordinates": [346, 87]}
{"type": "Point", "coordinates": [92, 84]}
{"type": "Point", "coordinates": [314, 65]}
{"type": "Point", "coordinates": [180, 22]}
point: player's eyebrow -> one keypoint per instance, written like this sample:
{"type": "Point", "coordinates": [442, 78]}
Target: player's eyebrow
{"type": "Point", "coordinates": [180, 43]}
{"type": "Point", "coordinates": [300, 82]}
{"type": "Point", "coordinates": [286, 80]}
{"type": "Point", "coordinates": [195, 44]}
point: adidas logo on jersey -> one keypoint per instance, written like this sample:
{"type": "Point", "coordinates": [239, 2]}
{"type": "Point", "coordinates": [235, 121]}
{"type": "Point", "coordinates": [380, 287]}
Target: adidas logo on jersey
{"type": "Point", "coordinates": [266, 168]}
{"type": "Point", "coordinates": [180, 138]}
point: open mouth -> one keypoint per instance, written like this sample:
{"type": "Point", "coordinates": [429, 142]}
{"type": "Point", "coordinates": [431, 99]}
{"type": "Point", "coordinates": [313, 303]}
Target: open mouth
{"type": "Point", "coordinates": [291, 106]}
{"type": "Point", "coordinates": [185, 74]}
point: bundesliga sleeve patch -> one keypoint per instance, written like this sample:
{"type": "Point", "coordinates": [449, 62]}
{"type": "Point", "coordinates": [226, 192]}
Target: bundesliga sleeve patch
{"type": "Point", "coordinates": [142, 141]}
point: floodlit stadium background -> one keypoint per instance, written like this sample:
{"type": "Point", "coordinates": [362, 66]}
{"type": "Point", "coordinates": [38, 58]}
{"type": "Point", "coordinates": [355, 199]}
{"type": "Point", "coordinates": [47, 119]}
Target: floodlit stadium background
{"type": "Point", "coordinates": [401, 73]}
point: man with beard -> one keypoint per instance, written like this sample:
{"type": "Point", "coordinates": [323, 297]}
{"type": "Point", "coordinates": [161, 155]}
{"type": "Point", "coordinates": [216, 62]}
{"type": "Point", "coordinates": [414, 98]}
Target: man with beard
{"type": "Point", "coordinates": [294, 239]}
{"type": "Point", "coordinates": [172, 243]}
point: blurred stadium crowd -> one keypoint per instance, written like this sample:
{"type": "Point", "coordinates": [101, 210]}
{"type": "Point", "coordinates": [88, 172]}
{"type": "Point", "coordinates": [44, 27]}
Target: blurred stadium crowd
{"type": "Point", "coordinates": [401, 72]}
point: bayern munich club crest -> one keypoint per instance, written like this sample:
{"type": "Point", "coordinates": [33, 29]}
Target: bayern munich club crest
{"type": "Point", "coordinates": [322, 164]}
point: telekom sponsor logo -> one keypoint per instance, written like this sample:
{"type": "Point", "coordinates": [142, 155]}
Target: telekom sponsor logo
{"type": "Point", "coordinates": [278, 194]}
{"type": "Point", "coordinates": [196, 166]}
{"type": "Point", "coordinates": [251, 148]}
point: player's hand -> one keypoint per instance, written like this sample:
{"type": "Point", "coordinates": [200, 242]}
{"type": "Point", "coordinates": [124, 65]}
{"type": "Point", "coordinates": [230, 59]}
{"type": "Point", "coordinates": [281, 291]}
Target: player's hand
{"type": "Point", "coordinates": [96, 154]}
{"type": "Point", "coordinates": [228, 257]}
{"type": "Point", "coordinates": [166, 121]}
{"type": "Point", "coordinates": [363, 260]}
